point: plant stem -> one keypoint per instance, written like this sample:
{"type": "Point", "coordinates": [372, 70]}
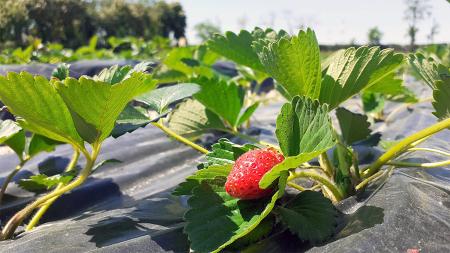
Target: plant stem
{"type": "Point", "coordinates": [337, 195]}
{"type": "Point", "coordinates": [19, 217]}
{"type": "Point", "coordinates": [437, 151]}
{"type": "Point", "coordinates": [372, 178]}
{"type": "Point", "coordinates": [395, 150]}
{"type": "Point", "coordinates": [296, 186]}
{"type": "Point", "coordinates": [10, 177]}
{"type": "Point", "coordinates": [43, 209]}
{"type": "Point", "coordinates": [419, 165]}
{"type": "Point", "coordinates": [324, 162]}
{"type": "Point", "coordinates": [180, 138]}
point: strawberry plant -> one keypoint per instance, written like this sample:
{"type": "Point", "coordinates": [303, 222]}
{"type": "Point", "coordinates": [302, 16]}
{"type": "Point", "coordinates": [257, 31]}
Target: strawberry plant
{"type": "Point", "coordinates": [55, 109]}
{"type": "Point", "coordinates": [241, 191]}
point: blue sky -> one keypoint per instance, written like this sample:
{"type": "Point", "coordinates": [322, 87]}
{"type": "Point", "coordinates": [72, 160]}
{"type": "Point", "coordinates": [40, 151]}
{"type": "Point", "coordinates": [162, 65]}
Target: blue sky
{"type": "Point", "coordinates": [335, 21]}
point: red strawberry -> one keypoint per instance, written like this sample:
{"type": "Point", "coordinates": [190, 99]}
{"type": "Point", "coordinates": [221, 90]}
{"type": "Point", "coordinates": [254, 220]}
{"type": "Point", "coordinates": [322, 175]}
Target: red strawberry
{"type": "Point", "coordinates": [249, 168]}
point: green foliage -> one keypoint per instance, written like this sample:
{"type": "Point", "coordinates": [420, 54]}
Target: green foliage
{"type": "Point", "coordinates": [41, 182]}
{"type": "Point", "coordinates": [441, 96]}
{"type": "Point", "coordinates": [294, 62]}
{"type": "Point", "coordinates": [61, 71]}
{"type": "Point", "coordinates": [427, 68]}
{"type": "Point", "coordinates": [40, 107]}
{"type": "Point", "coordinates": [225, 152]}
{"type": "Point", "coordinates": [39, 143]}
{"type": "Point", "coordinates": [95, 118]}
{"type": "Point", "coordinates": [8, 129]}
{"type": "Point", "coordinates": [373, 102]}
{"type": "Point", "coordinates": [130, 119]}
{"type": "Point", "coordinates": [343, 161]}
{"type": "Point", "coordinates": [354, 70]}
{"type": "Point", "coordinates": [161, 98]}
{"type": "Point", "coordinates": [192, 119]}
{"type": "Point", "coordinates": [303, 126]}
{"type": "Point", "coordinates": [354, 127]}
{"type": "Point", "coordinates": [223, 98]}
{"type": "Point", "coordinates": [311, 216]}
{"type": "Point", "coordinates": [392, 88]}
{"type": "Point", "coordinates": [229, 218]}
{"type": "Point", "coordinates": [207, 174]}
{"type": "Point", "coordinates": [206, 30]}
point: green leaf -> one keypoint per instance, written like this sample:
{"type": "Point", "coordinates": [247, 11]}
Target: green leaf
{"type": "Point", "coordinates": [161, 98]}
{"type": "Point", "coordinates": [207, 174]}
{"type": "Point", "coordinates": [116, 74]}
{"type": "Point", "coordinates": [129, 120]}
{"type": "Point", "coordinates": [191, 119]}
{"type": "Point", "coordinates": [304, 126]}
{"type": "Point", "coordinates": [441, 97]}
{"type": "Point", "coordinates": [8, 129]}
{"type": "Point", "coordinates": [39, 106]}
{"type": "Point", "coordinates": [354, 70]}
{"type": "Point", "coordinates": [311, 216]}
{"type": "Point", "coordinates": [228, 218]}
{"type": "Point", "coordinates": [293, 62]}
{"type": "Point", "coordinates": [225, 152]}
{"type": "Point", "coordinates": [95, 117]}
{"type": "Point", "coordinates": [39, 143]}
{"type": "Point", "coordinates": [222, 97]}
{"type": "Point", "coordinates": [354, 126]}
{"type": "Point", "coordinates": [425, 67]}
{"type": "Point", "coordinates": [343, 161]}
{"type": "Point", "coordinates": [61, 71]}
{"type": "Point", "coordinates": [238, 47]}
{"type": "Point", "coordinates": [247, 113]}
{"type": "Point", "coordinates": [41, 182]}
{"type": "Point", "coordinates": [392, 87]}
{"type": "Point", "coordinates": [372, 102]}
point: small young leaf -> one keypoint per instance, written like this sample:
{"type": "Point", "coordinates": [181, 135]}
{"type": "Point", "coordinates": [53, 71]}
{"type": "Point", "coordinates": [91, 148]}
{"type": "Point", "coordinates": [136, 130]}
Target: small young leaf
{"type": "Point", "coordinates": [228, 218]}
{"type": "Point", "coordinates": [294, 62]}
{"type": "Point", "coordinates": [160, 99]}
{"type": "Point", "coordinates": [223, 98]}
{"type": "Point", "coordinates": [354, 70]}
{"type": "Point", "coordinates": [427, 68]}
{"type": "Point", "coordinates": [61, 71]}
{"type": "Point", "coordinates": [105, 103]}
{"type": "Point", "coordinates": [372, 102]}
{"type": "Point", "coordinates": [40, 107]}
{"type": "Point", "coordinates": [8, 129]}
{"type": "Point", "coordinates": [41, 182]}
{"type": "Point", "coordinates": [225, 152]}
{"type": "Point", "coordinates": [354, 127]}
{"type": "Point", "coordinates": [116, 74]}
{"type": "Point", "coordinates": [441, 97]}
{"type": "Point", "coordinates": [191, 119]}
{"type": "Point", "coordinates": [304, 126]}
{"type": "Point", "coordinates": [343, 161]}
{"type": "Point", "coordinates": [311, 216]}
{"type": "Point", "coordinates": [210, 173]}
{"type": "Point", "coordinates": [130, 119]}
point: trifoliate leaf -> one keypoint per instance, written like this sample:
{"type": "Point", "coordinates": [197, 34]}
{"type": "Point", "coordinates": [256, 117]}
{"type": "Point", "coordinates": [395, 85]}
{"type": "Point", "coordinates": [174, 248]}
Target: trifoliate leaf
{"type": "Point", "coordinates": [311, 216]}
{"type": "Point", "coordinates": [441, 96]}
{"type": "Point", "coordinates": [225, 152]}
{"type": "Point", "coordinates": [210, 173]}
{"type": "Point", "coordinates": [293, 62]}
{"type": "Point", "coordinates": [304, 126]}
{"type": "Point", "coordinates": [191, 119]}
{"type": "Point", "coordinates": [95, 117]}
{"type": "Point", "coordinates": [354, 126]}
{"type": "Point", "coordinates": [354, 70]}
{"type": "Point", "coordinates": [41, 182]}
{"type": "Point", "coordinates": [160, 99]}
{"type": "Point", "coordinates": [223, 98]}
{"type": "Point", "coordinates": [238, 47]}
{"type": "Point", "coordinates": [181, 59]}
{"type": "Point", "coordinates": [228, 218]}
{"type": "Point", "coordinates": [39, 106]}
{"type": "Point", "coordinates": [129, 120]}
{"type": "Point", "coordinates": [61, 71]}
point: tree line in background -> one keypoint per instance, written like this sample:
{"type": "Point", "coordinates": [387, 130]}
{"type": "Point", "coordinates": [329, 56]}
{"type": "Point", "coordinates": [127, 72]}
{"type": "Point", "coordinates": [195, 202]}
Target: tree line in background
{"type": "Point", "coordinates": [73, 22]}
